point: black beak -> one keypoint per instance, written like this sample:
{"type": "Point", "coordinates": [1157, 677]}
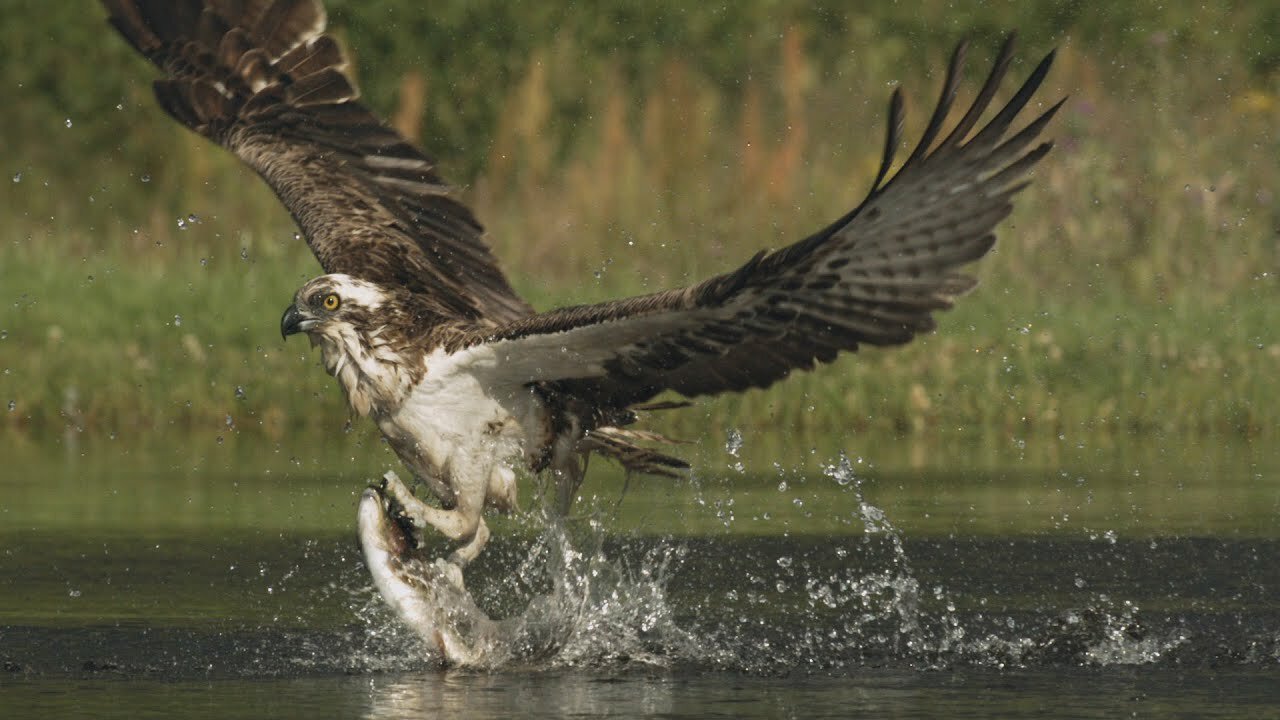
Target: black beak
{"type": "Point", "coordinates": [291, 321]}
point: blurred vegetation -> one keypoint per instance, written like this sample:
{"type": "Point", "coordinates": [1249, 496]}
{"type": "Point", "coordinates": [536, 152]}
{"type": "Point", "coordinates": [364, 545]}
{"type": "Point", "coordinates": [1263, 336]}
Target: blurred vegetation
{"type": "Point", "coordinates": [618, 148]}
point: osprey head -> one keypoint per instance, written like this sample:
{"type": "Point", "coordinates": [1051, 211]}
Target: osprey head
{"type": "Point", "coordinates": [329, 304]}
{"type": "Point", "coordinates": [348, 318]}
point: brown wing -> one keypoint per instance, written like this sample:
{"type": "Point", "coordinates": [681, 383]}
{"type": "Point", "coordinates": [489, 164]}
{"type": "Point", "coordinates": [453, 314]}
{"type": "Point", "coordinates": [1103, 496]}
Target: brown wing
{"type": "Point", "coordinates": [874, 276]}
{"type": "Point", "coordinates": [261, 78]}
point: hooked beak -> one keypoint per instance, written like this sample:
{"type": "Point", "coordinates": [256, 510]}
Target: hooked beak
{"type": "Point", "coordinates": [294, 321]}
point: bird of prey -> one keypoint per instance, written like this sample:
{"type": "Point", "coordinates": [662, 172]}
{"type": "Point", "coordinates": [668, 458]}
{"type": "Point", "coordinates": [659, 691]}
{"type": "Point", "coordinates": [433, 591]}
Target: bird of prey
{"type": "Point", "coordinates": [470, 385]}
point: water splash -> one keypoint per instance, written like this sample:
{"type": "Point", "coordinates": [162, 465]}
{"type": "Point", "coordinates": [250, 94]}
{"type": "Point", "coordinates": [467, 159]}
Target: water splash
{"type": "Point", "coordinates": [601, 611]}
{"type": "Point", "coordinates": [1120, 639]}
{"type": "Point", "coordinates": [733, 446]}
{"type": "Point", "coordinates": [896, 589]}
{"type": "Point", "coordinates": [566, 602]}
{"type": "Point", "coordinates": [572, 596]}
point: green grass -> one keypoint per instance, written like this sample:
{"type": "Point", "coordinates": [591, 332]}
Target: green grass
{"type": "Point", "coordinates": [1132, 293]}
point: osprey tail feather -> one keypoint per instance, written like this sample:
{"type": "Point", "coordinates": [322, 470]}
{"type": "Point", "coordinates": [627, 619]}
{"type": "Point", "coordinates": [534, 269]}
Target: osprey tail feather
{"type": "Point", "coordinates": [622, 444]}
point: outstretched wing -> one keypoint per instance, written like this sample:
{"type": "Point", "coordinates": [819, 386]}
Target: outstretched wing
{"type": "Point", "coordinates": [874, 276]}
{"type": "Point", "coordinates": [262, 79]}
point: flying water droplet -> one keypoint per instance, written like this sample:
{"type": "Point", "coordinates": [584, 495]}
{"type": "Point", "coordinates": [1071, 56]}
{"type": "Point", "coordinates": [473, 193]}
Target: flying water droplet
{"type": "Point", "coordinates": [842, 472]}
{"type": "Point", "coordinates": [240, 392]}
{"type": "Point", "coordinates": [177, 321]}
{"type": "Point", "coordinates": [733, 442]}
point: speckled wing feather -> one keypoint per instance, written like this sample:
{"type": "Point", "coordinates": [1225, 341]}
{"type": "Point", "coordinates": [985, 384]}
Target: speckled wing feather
{"type": "Point", "coordinates": [261, 78]}
{"type": "Point", "coordinates": [874, 276]}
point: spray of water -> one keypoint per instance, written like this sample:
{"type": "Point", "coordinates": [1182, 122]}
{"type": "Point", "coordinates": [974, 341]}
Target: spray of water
{"type": "Point", "coordinates": [574, 596]}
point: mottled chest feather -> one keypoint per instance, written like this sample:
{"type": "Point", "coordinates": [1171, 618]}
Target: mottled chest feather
{"type": "Point", "coordinates": [377, 369]}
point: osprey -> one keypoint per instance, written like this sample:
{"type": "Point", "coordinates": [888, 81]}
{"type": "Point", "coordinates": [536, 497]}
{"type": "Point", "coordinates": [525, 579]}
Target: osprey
{"type": "Point", "coordinates": [467, 382]}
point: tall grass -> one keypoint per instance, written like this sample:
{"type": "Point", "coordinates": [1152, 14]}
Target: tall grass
{"type": "Point", "coordinates": [1131, 293]}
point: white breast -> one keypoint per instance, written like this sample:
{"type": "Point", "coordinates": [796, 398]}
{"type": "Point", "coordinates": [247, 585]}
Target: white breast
{"type": "Point", "coordinates": [461, 425]}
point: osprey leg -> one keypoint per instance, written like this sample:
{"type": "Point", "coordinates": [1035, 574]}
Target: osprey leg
{"type": "Point", "coordinates": [568, 467]}
{"type": "Point", "coordinates": [463, 523]}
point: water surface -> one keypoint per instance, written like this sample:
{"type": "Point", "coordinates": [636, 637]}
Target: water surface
{"type": "Point", "coordinates": [223, 579]}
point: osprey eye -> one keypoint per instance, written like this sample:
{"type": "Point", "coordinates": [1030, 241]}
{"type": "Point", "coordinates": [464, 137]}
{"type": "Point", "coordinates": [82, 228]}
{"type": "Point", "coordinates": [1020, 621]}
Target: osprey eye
{"type": "Point", "coordinates": [332, 302]}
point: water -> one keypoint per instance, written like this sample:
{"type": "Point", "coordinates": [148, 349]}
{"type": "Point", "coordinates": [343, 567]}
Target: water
{"type": "Point", "coordinates": [224, 579]}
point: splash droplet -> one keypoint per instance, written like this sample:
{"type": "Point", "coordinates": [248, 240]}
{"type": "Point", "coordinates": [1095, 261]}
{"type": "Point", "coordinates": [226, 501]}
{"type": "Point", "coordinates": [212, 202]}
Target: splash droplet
{"type": "Point", "coordinates": [733, 442]}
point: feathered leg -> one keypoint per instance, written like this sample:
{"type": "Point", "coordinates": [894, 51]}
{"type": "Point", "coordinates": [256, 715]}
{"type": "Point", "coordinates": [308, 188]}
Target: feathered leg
{"type": "Point", "coordinates": [464, 523]}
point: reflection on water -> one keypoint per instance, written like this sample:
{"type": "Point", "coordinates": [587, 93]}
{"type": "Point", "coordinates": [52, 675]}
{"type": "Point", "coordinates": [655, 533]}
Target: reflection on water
{"type": "Point", "coordinates": [1072, 692]}
{"type": "Point", "coordinates": [166, 573]}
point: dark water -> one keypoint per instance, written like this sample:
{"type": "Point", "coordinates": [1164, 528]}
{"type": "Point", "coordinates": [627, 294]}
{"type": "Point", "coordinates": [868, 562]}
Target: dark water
{"type": "Point", "coordinates": [228, 583]}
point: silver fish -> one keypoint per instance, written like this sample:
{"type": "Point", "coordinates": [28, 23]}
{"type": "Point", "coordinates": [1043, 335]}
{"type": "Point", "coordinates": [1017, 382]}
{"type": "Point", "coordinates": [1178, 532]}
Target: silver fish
{"type": "Point", "coordinates": [428, 596]}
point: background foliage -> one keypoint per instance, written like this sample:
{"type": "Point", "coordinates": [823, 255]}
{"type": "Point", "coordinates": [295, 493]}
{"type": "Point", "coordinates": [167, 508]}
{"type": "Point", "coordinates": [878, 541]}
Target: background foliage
{"type": "Point", "coordinates": [620, 147]}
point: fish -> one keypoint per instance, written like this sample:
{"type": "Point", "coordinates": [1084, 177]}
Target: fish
{"type": "Point", "coordinates": [428, 596]}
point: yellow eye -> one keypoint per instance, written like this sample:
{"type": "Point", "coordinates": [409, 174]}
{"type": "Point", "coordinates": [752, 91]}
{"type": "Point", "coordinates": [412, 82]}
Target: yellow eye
{"type": "Point", "coordinates": [331, 302]}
